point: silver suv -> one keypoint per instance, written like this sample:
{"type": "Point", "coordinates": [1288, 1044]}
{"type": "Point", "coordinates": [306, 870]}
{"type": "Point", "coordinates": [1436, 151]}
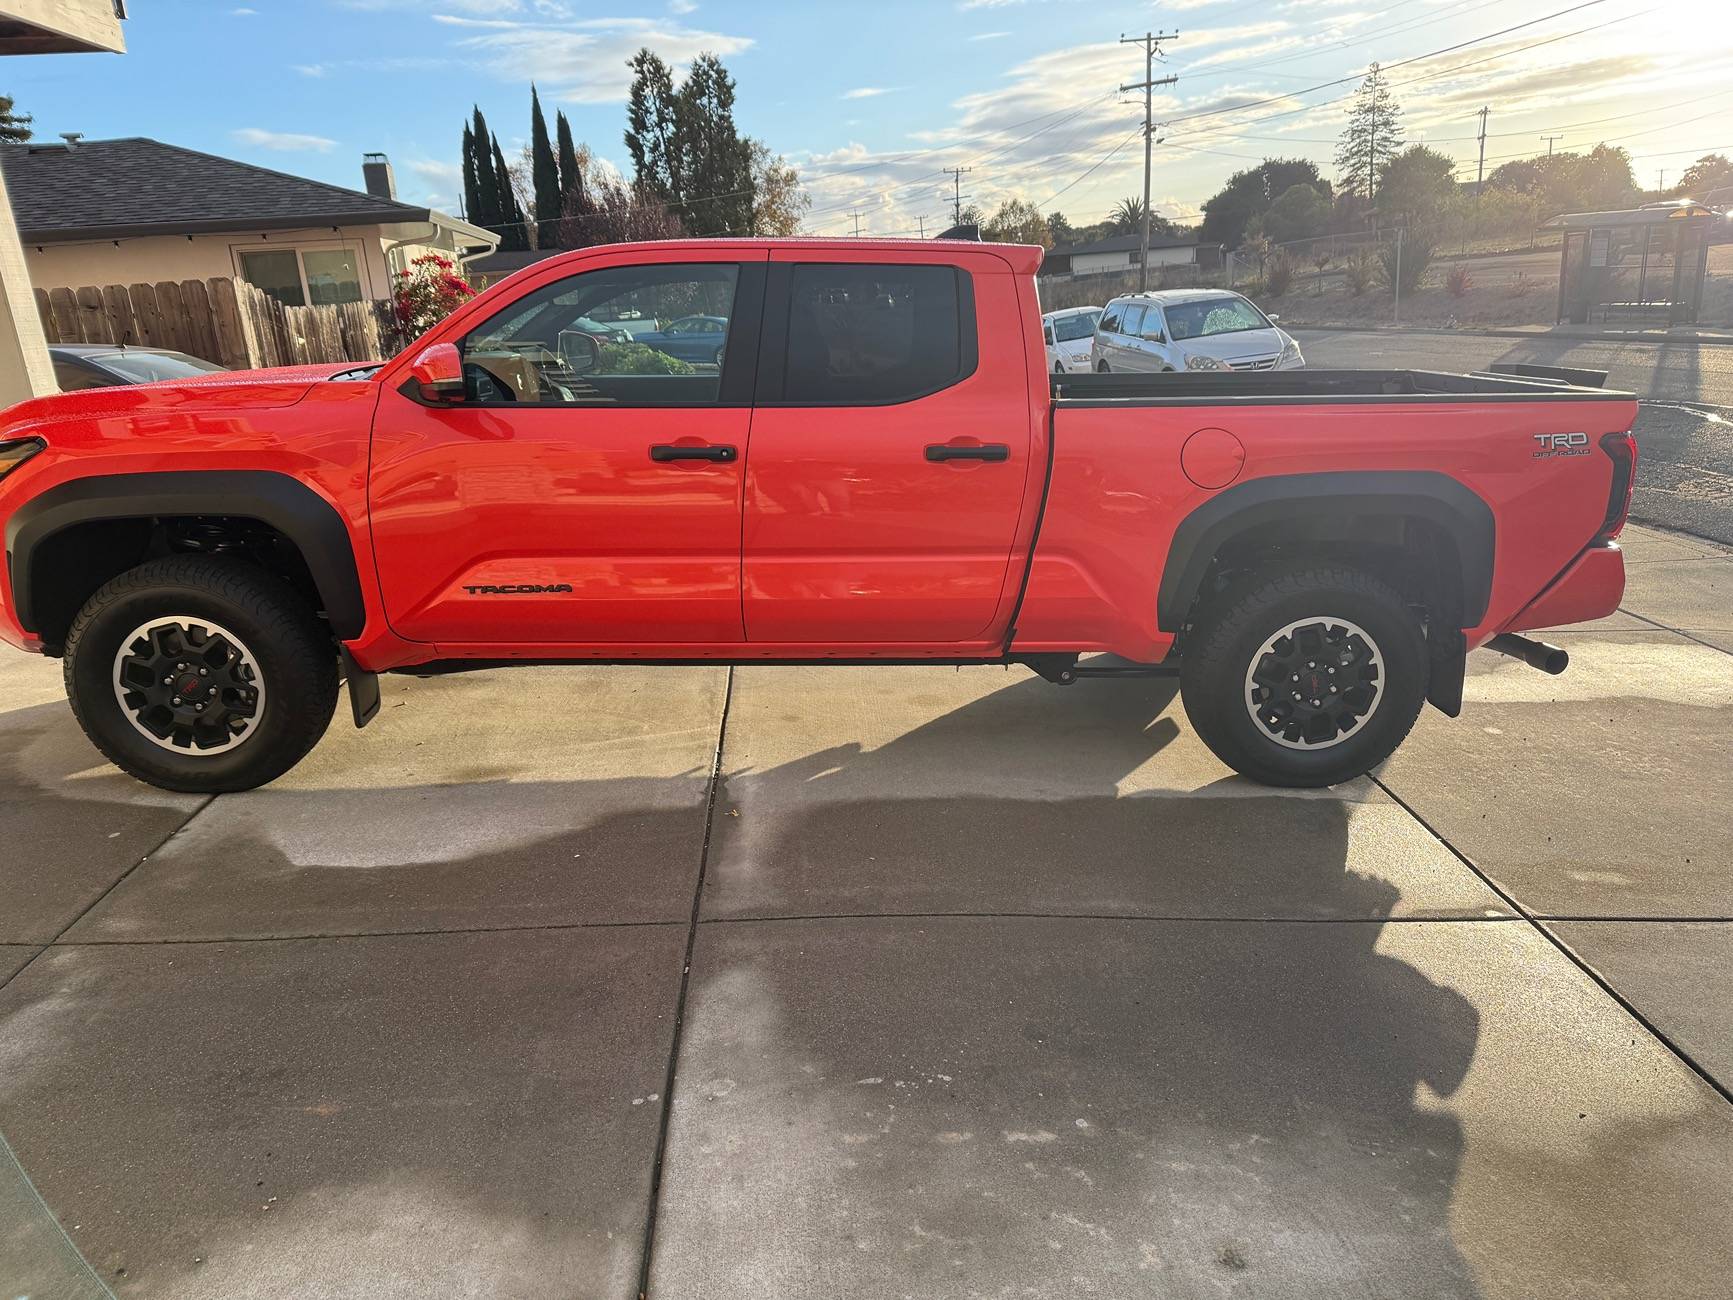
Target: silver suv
{"type": "Point", "coordinates": [1189, 329]}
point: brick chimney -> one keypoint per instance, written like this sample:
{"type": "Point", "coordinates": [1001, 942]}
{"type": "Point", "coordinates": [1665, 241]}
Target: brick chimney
{"type": "Point", "coordinates": [380, 181]}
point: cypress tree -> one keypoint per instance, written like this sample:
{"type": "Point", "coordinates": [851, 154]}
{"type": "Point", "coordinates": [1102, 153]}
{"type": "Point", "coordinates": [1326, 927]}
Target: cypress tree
{"type": "Point", "coordinates": [487, 195]}
{"type": "Point", "coordinates": [545, 174]}
{"type": "Point", "coordinates": [510, 225]}
{"type": "Point", "coordinates": [471, 190]}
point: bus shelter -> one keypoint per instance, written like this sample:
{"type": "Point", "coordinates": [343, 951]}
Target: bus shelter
{"type": "Point", "coordinates": [1646, 263]}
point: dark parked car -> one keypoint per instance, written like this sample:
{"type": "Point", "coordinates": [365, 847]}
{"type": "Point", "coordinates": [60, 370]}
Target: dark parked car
{"type": "Point", "coordinates": [691, 338]}
{"type": "Point", "coordinates": [102, 365]}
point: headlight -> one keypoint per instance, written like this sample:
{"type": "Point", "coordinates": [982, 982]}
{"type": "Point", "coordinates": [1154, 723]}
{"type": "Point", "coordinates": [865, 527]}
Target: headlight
{"type": "Point", "coordinates": [1290, 354]}
{"type": "Point", "coordinates": [15, 453]}
{"type": "Point", "coordinates": [1205, 363]}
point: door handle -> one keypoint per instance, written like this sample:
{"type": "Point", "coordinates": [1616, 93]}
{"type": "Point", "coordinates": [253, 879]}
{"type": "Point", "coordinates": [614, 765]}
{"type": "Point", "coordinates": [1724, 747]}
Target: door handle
{"type": "Point", "coordinates": [663, 451]}
{"type": "Point", "coordinates": [991, 451]}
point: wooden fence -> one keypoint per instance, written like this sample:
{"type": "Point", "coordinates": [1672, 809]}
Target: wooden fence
{"type": "Point", "coordinates": [224, 320]}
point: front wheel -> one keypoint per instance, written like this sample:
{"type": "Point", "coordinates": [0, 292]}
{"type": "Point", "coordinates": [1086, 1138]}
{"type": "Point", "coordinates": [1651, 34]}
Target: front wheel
{"type": "Point", "coordinates": [1308, 676]}
{"type": "Point", "coordinates": [201, 674]}
{"type": "Point", "coordinates": [1101, 369]}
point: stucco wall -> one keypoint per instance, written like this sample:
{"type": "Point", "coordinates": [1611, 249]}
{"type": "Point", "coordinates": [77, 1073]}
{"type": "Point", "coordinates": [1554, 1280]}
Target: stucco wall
{"type": "Point", "coordinates": [178, 257]}
{"type": "Point", "coordinates": [1095, 263]}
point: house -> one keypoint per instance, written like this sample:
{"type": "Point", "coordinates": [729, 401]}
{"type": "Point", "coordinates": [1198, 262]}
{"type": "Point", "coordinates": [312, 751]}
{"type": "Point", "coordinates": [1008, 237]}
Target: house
{"type": "Point", "coordinates": [100, 212]}
{"type": "Point", "coordinates": [1121, 253]}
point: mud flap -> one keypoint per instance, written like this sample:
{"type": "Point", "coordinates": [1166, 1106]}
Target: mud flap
{"type": "Point", "coordinates": [1449, 652]}
{"type": "Point", "coordinates": [363, 690]}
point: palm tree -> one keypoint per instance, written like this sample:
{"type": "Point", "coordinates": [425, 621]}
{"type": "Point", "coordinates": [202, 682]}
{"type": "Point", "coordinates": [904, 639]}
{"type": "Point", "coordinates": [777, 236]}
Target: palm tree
{"type": "Point", "coordinates": [1127, 218]}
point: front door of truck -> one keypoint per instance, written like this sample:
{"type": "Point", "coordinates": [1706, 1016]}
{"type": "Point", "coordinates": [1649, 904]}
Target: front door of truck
{"type": "Point", "coordinates": [586, 490]}
{"type": "Point", "coordinates": [890, 450]}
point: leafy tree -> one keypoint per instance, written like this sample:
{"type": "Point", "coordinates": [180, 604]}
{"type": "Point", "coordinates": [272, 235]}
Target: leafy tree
{"type": "Point", "coordinates": [1418, 186]}
{"type": "Point", "coordinates": [652, 131]}
{"type": "Point", "coordinates": [778, 201]}
{"type": "Point", "coordinates": [14, 127]}
{"type": "Point", "coordinates": [1372, 137]}
{"type": "Point", "coordinates": [545, 176]}
{"type": "Point", "coordinates": [716, 160]}
{"type": "Point", "coordinates": [1063, 232]}
{"type": "Point", "coordinates": [1017, 222]}
{"type": "Point", "coordinates": [1228, 214]}
{"type": "Point", "coordinates": [1712, 171]}
{"type": "Point", "coordinates": [1299, 212]}
{"type": "Point", "coordinates": [615, 213]}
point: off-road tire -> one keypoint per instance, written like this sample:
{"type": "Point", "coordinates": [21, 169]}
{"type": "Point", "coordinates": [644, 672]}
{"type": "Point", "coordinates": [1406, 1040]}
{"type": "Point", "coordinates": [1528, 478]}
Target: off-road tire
{"type": "Point", "coordinates": [294, 652]}
{"type": "Point", "coordinates": [1230, 633]}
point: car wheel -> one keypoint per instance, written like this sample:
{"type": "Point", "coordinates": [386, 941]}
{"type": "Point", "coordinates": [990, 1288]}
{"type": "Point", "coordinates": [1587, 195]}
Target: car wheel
{"type": "Point", "coordinates": [1101, 368]}
{"type": "Point", "coordinates": [1308, 676]}
{"type": "Point", "coordinates": [1058, 367]}
{"type": "Point", "coordinates": [201, 674]}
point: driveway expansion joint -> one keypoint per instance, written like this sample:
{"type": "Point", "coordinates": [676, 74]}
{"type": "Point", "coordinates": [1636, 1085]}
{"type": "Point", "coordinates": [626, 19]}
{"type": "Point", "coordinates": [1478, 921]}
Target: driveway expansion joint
{"type": "Point", "coordinates": [1676, 631]}
{"type": "Point", "coordinates": [115, 884]}
{"type": "Point", "coordinates": [666, 1117]}
{"type": "Point", "coordinates": [1535, 921]}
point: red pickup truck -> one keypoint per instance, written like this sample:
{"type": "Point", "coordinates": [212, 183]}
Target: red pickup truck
{"type": "Point", "coordinates": [855, 454]}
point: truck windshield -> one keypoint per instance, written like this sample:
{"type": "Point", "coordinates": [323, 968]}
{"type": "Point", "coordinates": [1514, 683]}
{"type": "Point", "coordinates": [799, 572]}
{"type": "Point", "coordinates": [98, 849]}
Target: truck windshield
{"type": "Point", "coordinates": [1068, 329]}
{"type": "Point", "coordinates": [1196, 320]}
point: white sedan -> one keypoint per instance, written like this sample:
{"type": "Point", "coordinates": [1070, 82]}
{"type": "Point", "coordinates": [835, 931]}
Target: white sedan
{"type": "Point", "coordinates": [1069, 334]}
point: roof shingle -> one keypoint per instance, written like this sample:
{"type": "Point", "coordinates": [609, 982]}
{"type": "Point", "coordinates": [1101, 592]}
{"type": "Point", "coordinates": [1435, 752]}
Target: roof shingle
{"type": "Point", "coordinates": [137, 186]}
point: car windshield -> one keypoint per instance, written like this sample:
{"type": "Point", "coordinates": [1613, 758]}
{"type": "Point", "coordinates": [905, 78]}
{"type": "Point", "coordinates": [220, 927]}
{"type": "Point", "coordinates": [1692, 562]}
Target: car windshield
{"type": "Point", "coordinates": [1068, 329]}
{"type": "Point", "coordinates": [146, 367]}
{"type": "Point", "coordinates": [1196, 320]}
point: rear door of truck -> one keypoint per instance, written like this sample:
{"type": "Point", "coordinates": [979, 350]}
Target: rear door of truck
{"type": "Point", "coordinates": [890, 448]}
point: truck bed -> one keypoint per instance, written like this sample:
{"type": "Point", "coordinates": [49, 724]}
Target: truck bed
{"type": "Point", "coordinates": [1334, 387]}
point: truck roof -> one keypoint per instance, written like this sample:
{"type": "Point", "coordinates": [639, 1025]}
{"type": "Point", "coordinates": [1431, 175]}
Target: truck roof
{"type": "Point", "coordinates": [1025, 259]}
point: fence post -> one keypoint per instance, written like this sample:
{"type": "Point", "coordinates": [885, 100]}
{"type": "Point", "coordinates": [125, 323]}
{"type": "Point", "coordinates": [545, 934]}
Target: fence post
{"type": "Point", "coordinates": [234, 348]}
{"type": "Point", "coordinates": [49, 329]}
{"type": "Point", "coordinates": [1396, 319]}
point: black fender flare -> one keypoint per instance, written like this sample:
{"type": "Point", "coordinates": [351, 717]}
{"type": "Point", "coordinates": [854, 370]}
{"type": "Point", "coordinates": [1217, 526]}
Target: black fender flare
{"type": "Point", "coordinates": [1331, 498]}
{"type": "Point", "coordinates": [298, 512]}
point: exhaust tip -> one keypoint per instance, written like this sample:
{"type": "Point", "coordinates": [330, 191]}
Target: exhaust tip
{"type": "Point", "coordinates": [1536, 654]}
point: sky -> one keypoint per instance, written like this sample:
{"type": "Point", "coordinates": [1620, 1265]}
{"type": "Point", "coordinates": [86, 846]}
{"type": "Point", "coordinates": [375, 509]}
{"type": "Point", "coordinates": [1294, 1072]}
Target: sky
{"type": "Point", "coordinates": [873, 100]}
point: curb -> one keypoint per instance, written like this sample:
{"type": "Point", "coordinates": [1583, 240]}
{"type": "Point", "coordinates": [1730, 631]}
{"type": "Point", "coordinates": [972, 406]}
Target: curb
{"type": "Point", "coordinates": [1710, 340]}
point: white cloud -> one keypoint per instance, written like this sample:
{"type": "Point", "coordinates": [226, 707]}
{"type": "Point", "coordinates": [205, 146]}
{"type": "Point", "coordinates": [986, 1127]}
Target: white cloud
{"type": "Point", "coordinates": [989, 36]}
{"type": "Point", "coordinates": [869, 92]}
{"type": "Point", "coordinates": [585, 62]}
{"type": "Point", "coordinates": [312, 69]}
{"type": "Point", "coordinates": [681, 7]}
{"type": "Point", "coordinates": [286, 141]}
{"type": "Point", "coordinates": [243, 12]}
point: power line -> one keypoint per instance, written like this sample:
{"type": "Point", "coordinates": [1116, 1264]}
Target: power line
{"type": "Point", "coordinates": [956, 174]}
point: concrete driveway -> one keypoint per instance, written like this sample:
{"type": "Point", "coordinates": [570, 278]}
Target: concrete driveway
{"type": "Point", "coordinates": [884, 982]}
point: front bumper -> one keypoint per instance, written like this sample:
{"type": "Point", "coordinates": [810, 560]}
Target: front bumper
{"type": "Point", "coordinates": [1591, 587]}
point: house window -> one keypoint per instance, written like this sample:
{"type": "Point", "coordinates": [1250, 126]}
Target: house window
{"type": "Point", "coordinates": [317, 276]}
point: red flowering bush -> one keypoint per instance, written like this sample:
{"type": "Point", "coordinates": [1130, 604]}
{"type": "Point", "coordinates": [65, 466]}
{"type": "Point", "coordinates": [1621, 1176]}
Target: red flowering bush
{"type": "Point", "coordinates": [427, 291]}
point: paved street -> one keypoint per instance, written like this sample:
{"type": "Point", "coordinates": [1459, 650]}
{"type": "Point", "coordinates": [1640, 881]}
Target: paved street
{"type": "Point", "coordinates": [1685, 430]}
{"type": "Point", "coordinates": [995, 988]}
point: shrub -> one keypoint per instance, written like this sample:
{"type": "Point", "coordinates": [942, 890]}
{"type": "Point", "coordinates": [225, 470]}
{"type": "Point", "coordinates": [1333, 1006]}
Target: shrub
{"type": "Point", "coordinates": [640, 359]}
{"type": "Point", "coordinates": [1522, 285]}
{"type": "Point", "coordinates": [1459, 281]}
{"type": "Point", "coordinates": [1278, 274]}
{"type": "Point", "coordinates": [1357, 270]}
{"type": "Point", "coordinates": [427, 291]}
{"type": "Point", "coordinates": [1416, 257]}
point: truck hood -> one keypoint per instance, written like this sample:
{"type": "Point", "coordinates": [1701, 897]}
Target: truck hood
{"type": "Point", "coordinates": [220, 390]}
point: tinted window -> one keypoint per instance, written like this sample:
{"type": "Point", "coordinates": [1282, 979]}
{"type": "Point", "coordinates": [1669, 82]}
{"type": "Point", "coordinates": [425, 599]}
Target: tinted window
{"type": "Point", "coordinates": [1110, 320]}
{"type": "Point", "coordinates": [1133, 322]}
{"type": "Point", "coordinates": [872, 334]}
{"type": "Point", "coordinates": [145, 367]}
{"type": "Point", "coordinates": [71, 376]}
{"type": "Point", "coordinates": [623, 335]}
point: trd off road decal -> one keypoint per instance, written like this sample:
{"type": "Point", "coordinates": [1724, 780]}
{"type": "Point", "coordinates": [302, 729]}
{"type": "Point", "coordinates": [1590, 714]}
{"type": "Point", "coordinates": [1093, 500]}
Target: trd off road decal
{"type": "Point", "coordinates": [1561, 444]}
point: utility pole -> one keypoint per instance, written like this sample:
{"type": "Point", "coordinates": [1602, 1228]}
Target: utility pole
{"type": "Point", "coordinates": [956, 174]}
{"type": "Point", "coordinates": [1480, 172]}
{"type": "Point", "coordinates": [1151, 47]}
{"type": "Point", "coordinates": [856, 215]}
{"type": "Point", "coordinates": [922, 220]}
{"type": "Point", "coordinates": [1661, 181]}
{"type": "Point", "coordinates": [1549, 143]}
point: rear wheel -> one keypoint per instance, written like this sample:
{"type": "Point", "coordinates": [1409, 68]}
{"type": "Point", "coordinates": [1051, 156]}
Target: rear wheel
{"type": "Point", "coordinates": [201, 674]}
{"type": "Point", "coordinates": [1101, 368]}
{"type": "Point", "coordinates": [1305, 677]}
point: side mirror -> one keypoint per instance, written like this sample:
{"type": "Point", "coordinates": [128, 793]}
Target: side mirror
{"type": "Point", "coordinates": [438, 373]}
{"type": "Point", "coordinates": [580, 352]}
